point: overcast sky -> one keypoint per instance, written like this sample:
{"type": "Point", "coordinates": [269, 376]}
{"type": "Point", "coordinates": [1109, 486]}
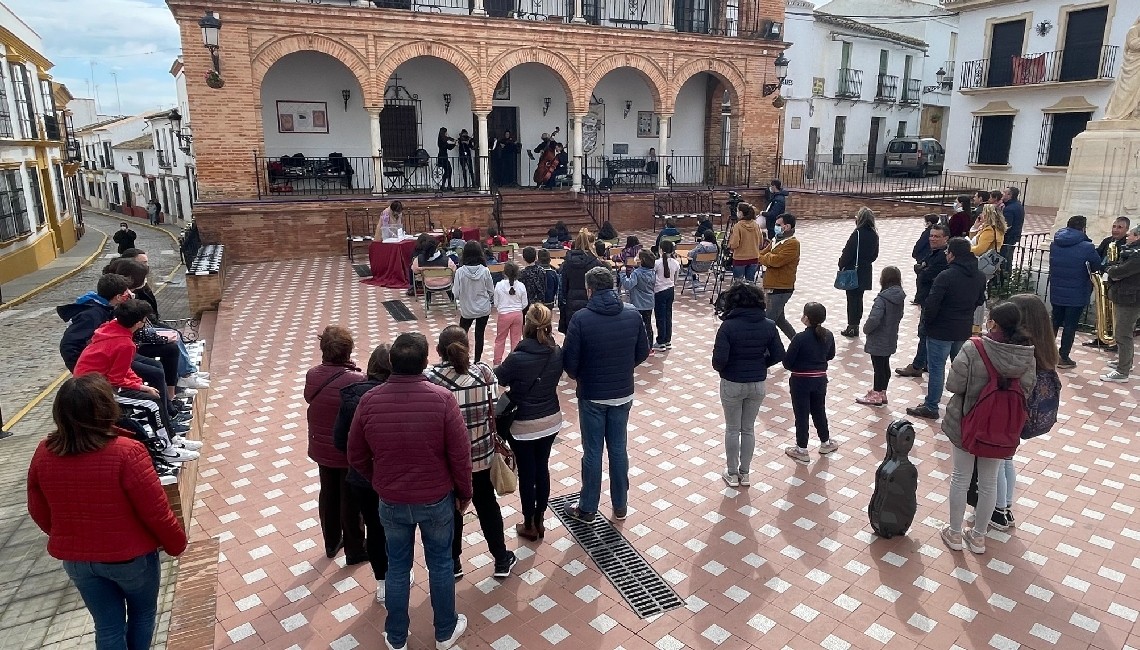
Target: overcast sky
{"type": "Point", "coordinates": [137, 40]}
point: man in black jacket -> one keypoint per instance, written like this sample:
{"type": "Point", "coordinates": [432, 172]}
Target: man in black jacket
{"type": "Point", "coordinates": [948, 318]}
{"type": "Point", "coordinates": [88, 312]}
{"type": "Point", "coordinates": [927, 270]}
{"type": "Point", "coordinates": [1118, 238]}
{"type": "Point", "coordinates": [125, 237]}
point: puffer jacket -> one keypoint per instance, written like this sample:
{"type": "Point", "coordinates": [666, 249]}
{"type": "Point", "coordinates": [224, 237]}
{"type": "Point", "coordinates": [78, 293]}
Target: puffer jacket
{"type": "Point", "coordinates": [866, 240]}
{"type": "Point", "coordinates": [322, 393]}
{"type": "Point", "coordinates": [1069, 281]}
{"type": "Point", "coordinates": [604, 343]}
{"type": "Point", "coordinates": [948, 311]}
{"type": "Point", "coordinates": [882, 326]}
{"type": "Point", "coordinates": [531, 371]}
{"type": "Point", "coordinates": [1125, 275]}
{"type": "Point", "coordinates": [349, 400]}
{"type": "Point", "coordinates": [968, 375]}
{"type": "Point", "coordinates": [639, 284]}
{"type": "Point", "coordinates": [746, 345]}
{"type": "Point", "coordinates": [409, 441]}
{"type": "Point", "coordinates": [83, 317]}
{"type": "Point", "coordinates": [572, 292]}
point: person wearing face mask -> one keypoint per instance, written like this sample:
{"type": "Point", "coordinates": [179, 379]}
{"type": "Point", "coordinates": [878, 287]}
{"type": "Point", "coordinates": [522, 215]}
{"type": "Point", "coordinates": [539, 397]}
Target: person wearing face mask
{"type": "Point", "coordinates": [780, 258]}
{"type": "Point", "coordinates": [927, 270]}
{"type": "Point", "coordinates": [961, 219]}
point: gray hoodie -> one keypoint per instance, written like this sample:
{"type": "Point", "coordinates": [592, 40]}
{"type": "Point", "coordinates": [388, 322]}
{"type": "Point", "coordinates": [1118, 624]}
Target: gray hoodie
{"type": "Point", "coordinates": [882, 326]}
{"type": "Point", "coordinates": [474, 290]}
{"type": "Point", "coordinates": [968, 376]}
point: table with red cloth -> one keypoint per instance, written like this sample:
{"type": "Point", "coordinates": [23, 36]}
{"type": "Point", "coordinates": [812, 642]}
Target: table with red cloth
{"type": "Point", "coordinates": [390, 263]}
{"type": "Point", "coordinates": [470, 233]}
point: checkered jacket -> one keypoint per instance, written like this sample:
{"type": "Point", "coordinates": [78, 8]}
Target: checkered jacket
{"type": "Point", "coordinates": [476, 392]}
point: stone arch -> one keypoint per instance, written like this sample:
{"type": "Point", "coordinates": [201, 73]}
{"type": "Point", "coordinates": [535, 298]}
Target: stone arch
{"type": "Point", "coordinates": [650, 71]}
{"type": "Point", "coordinates": [563, 71]}
{"type": "Point", "coordinates": [723, 70]}
{"type": "Point", "coordinates": [395, 57]}
{"type": "Point", "coordinates": [274, 50]}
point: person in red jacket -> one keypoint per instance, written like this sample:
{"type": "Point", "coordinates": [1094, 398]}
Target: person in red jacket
{"type": "Point", "coordinates": [409, 440]}
{"type": "Point", "coordinates": [95, 493]}
{"type": "Point", "coordinates": [337, 506]}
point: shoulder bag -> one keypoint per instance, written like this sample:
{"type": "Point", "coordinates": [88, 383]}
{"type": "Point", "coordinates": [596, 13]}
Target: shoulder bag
{"type": "Point", "coordinates": [504, 468]}
{"type": "Point", "coordinates": [848, 279]}
{"type": "Point", "coordinates": [990, 261]}
{"type": "Point", "coordinates": [506, 410]}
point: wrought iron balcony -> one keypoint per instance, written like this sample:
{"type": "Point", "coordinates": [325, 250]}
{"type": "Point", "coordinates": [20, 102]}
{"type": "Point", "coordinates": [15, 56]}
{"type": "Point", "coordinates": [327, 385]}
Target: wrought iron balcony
{"type": "Point", "coordinates": [886, 88]}
{"type": "Point", "coordinates": [850, 83]}
{"type": "Point", "coordinates": [163, 159]}
{"type": "Point", "coordinates": [912, 91]}
{"type": "Point", "coordinates": [1039, 68]}
{"type": "Point", "coordinates": [948, 80]}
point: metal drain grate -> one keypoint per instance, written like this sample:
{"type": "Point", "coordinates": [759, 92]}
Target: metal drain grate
{"type": "Point", "coordinates": [398, 310]}
{"type": "Point", "coordinates": [642, 587]}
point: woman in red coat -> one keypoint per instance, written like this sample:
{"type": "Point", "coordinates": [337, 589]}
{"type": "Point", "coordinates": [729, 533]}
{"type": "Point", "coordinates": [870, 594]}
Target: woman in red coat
{"type": "Point", "coordinates": [94, 491]}
{"type": "Point", "coordinates": [337, 507]}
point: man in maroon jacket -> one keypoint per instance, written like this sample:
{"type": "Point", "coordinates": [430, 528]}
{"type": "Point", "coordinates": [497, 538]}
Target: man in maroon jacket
{"type": "Point", "coordinates": [409, 440]}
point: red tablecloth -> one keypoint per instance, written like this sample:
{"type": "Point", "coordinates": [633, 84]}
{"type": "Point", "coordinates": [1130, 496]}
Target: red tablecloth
{"type": "Point", "coordinates": [470, 233]}
{"type": "Point", "coordinates": [390, 263]}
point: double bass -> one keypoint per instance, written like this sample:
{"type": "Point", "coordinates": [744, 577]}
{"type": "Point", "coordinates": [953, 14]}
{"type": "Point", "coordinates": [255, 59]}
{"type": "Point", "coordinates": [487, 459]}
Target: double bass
{"type": "Point", "coordinates": [548, 162]}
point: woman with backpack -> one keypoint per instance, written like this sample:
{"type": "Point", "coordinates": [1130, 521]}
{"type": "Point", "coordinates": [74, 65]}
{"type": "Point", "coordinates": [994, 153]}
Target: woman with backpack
{"type": "Point", "coordinates": [989, 380]}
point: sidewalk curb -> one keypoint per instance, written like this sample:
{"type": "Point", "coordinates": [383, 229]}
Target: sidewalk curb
{"type": "Point", "coordinates": [27, 408]}
{"type": "Point", "coordinates": [51, 283]}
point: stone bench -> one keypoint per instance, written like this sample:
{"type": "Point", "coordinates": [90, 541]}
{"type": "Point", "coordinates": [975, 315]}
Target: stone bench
{"type": "Point", "coordinates": [206, 279]}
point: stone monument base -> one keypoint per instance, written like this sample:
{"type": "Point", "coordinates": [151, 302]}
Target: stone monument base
{"type": "Point", "coordinates": [1103, 181]}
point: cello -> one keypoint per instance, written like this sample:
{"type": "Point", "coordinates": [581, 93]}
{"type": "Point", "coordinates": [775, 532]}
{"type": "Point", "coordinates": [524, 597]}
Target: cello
{"type": "Point", "coordinates": [548, 162]}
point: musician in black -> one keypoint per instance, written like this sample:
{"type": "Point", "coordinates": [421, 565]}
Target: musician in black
{"type": "Point", "coordinates": [445, 144]}
{"type": "Point", "coordinates": [563, 168]}
{"type": "Point", "coordinates": [505, 151]}
{"type": "Point", "coordinates": [467, 171]}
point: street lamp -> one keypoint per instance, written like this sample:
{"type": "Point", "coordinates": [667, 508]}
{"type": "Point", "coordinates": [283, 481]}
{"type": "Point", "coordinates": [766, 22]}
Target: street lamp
{"type": "Point", "coordinates": [781, 64]}
{"type": "Point", "coordinates": [940, 76]}
{"type": "Point", "coordinates": [211, 32]}
{"type": "Point", "coordinates": [184, 137]}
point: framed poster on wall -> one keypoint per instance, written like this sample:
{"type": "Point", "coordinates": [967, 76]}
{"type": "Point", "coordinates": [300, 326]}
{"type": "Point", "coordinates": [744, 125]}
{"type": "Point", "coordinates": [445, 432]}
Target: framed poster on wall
{"type": "Point", "coordinates": [302, 117]}
{"type": "Point", "coordinates": [648, 126]}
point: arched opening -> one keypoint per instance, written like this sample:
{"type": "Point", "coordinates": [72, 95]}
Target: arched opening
{"type": "Point", "coordinates": [627, 132]}
{"type": "Point", "coordinates": [530, 111]}
{"type": "Point", "coordinates": [707, 148]}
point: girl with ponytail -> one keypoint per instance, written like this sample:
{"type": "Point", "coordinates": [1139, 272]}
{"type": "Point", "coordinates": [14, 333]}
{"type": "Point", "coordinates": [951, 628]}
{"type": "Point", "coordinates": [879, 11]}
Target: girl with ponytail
{"type": "Point", "coordinates": [510, 301]}
{"type": "Point", "coordinates": [666, 270]}
{"type": "Point", "coordinates": [807, 358]}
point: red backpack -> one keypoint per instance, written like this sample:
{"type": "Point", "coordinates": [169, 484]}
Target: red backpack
{"type": "Point", "coordinates": [992, 429]}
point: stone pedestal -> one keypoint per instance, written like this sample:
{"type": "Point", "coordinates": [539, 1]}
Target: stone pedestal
{"type": "Point", "coordinates": [1103, 181]}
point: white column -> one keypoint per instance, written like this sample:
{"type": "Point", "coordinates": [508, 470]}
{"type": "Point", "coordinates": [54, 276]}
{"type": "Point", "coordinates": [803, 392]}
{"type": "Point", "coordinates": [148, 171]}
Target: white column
{"type": "Point", "coordinates": [662, 147]}
{"type": "Point", "coordinates": [579, 159]}
{"type": "Point", "coordinates": [484, 155]}
{"type": "Point", "coordinates": [377, 150]}
{"type": "Point", "coordinates": [578, 17]}
{"type": "Point", "coordinates": [667, 17]}
{"type": "Point", "coordinates": [478, 10]}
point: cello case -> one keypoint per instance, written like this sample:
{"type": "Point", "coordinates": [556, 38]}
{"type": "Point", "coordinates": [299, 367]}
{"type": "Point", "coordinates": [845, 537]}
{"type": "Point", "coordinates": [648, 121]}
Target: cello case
{"type": "Point", "coordinates": [895, 501]}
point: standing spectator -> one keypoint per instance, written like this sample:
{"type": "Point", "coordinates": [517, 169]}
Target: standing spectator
{"type": "Point", "coordinates": [745, 241]}
{"type": "Point", "coordinates": [409, 441]}
{"type": "Point", "coordinates": [474, 389]}
{"type": "Point", "coordinates": [95, 493]}
{"type": "Point", "coordinates": [1014, 213]}
{"type": "Point", "coordinates": [1118, 238]}
{"type": "Point", "coordinates": [630, 252]}
{"type": "Point", "coordinates": [982, 198]}
{"type": "Point", "coordinates": [927, 270]}
{"type": "Point", "coordinates": [1124, 292]}
{"type": "Point", "coordinates": [922, 247]}
{"type": "Point", "coordinates": [553, 279]}
{"type": "Point", "coordinates": [604, 343]}
{"type": "Point", "coordinates": [533, 277]}
{"type": "Point", "coordinates": [1010, 351]}
{"type": "Point", "coordinates": [337, 507]}
{"type": "Point", "coordinates": [511, 298]}
{"type": "Point", "coordinates": [989, 237]}
{"type": "Point", "coordinates": [639, 283]}
{"type": "Point", "coordinates": [882, 330]}
{"type": "Point", "coordinates": [962, 218]}
{"type": "Point", "coordinates": [1072, 257]}
{"type": "Point", "coordinates": [860, 253]}
{"type": "Point", "coordinates": [947, 319]}
{"type": "Point", "coordinates": [125, 237]}
{"type": "Point", "coordinates": [153, 211]}
{"type": "Point", "coordinates": [664, 293]}
{"type": "Point", "coordinates": [746, 345]}
{"type": "Point", "coordinates": [379, 369]}
{"type": "Point", "coordinates": [572, 291]}
{"type": "Point", "coordinates": [777, 206]}
{"type": "Point", "coordinates": [806, 360]}
{"type": "Point", "coordinates": [531, 373]}
{"type": "Point", "coordinates": [780, 259]}
{"type": "Point", "coordinates": [475, 292]}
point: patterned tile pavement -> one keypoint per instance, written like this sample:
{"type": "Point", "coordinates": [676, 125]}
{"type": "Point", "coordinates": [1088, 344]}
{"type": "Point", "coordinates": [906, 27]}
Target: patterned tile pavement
{"type": "Point", "coordinates": [790, 562]}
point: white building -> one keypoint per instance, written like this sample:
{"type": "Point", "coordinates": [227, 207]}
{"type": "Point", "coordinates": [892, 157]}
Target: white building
{"type": "Point", "coordinates": [1030, 77]}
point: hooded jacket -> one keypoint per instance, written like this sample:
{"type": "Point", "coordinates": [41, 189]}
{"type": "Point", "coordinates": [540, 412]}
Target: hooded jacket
{"type": "Point", "coordinates": [640, 284]}
{"type": "Point", "coordinates": [531, 371]}
{"type": "Point", "coordinates": [474, 290]}
{"type": "Point", "coordinates": [745, 240]}
{"type": "Point", "coordinates": [968, 375]}
{"type": "Point", "coordinates": [948, 311]}
{"type": "Point", "coordinates": [777, 205]}
{"type": "Point", "coordinates": [84, 316]}
{"type": "Point", "coordinates": [860, 252]}
{"type": "Point", "coordinates": [1069, 281]}
{"type": "Point", "coordinates": [1124, 290]}
{"type": "Point", "coordinates": [110, 353]}
{"type": "Point", "coordinates": [322, 392]}
{"type": "Point", "coordinates": [604, 343]}
{"type": "Point", "coordinates": [882, 326]}
{"type": "Point", "coordinates": [572, 292]}
{"type": "Point", "coordinates": [747, 344]}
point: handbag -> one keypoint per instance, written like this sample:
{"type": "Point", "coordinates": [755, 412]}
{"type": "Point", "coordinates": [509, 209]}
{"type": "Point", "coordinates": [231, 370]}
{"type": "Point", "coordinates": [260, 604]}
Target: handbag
{"type": "Point", "coordinates": [506, 410]}
{"type": "Point", "coordinates": [990, 261]}
{"type": "Point", "coordinates": [848, 279]}
{"type": "Point", "coordinates": [504, 469]}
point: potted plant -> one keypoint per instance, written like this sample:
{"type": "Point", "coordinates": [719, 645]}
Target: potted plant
{"type": "Point", "coordinates": [214, 79]}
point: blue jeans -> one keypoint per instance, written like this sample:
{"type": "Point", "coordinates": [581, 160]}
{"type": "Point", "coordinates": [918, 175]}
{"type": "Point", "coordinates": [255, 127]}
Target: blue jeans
{"type": "Point", "coordinates": [1006, 480]}
{"type": "Point", "coordinates": [663, 314]}
{"type": "Point", "coordinates": [435, 523]}
{"type": "Point", "coordinates": [122, 599]}
{"type": "Point", "coordinates": [606, 425]}
{"type": "Point", "coordinates": [1066, 319]}
{"type": "Point", "coordinates": [937, 352]}
{"type": "Point", "coordinates": [747, 272]}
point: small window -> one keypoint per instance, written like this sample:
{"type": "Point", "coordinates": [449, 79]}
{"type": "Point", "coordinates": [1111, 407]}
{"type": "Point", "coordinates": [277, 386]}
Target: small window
{"type": "Point", "coordinates": [59, 188]}
{"type": "Point", "coordinates": [13, 209]}
{"type": "Point", "coordinates": [37, 195]}
{"type": "Point", "coordinates": [991, 139]}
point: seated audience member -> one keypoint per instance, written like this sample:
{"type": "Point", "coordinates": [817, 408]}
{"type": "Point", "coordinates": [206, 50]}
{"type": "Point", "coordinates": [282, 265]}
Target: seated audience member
{"type": "Point", "coordinates": [88, 312]}
{"type": "Point", "coordinates": [607, 232]}
{"type": "Point", "coordinates": [495, 239]}
{"type": "Point", "coordinates": [670, 230]}
{"type": "Point", "coordinates": [705, 225]}
{"type": "Point", "coordinates": [552, 242]}
{"type": "Point", "coordinates": [433, 257]}
{"type": "Point", "coordinates": [630, 252]}
{"type": "Point", "coordinates": [600, 249]}
{"type": "Point", "coordinates": [562, 232]}
{"type": "Point", "coordinates": [456, 242]}
{"type": "Point", "coordinates": [705, 245]}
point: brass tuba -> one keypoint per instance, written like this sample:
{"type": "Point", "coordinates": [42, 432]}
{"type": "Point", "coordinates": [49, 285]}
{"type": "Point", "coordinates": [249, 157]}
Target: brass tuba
{"type": "Point", "coordinates": [1105, 316]}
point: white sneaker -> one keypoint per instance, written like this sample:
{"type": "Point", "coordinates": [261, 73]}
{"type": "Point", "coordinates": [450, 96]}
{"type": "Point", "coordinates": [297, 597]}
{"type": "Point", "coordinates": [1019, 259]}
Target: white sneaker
{"type": "Point", "coordinates": [460, 628]}
{"type": "Point", "coordinates": [178, 455]}
{"type": "Point", "coordinates": [185, 443]}
{"type": "Point", "coordinates": [193, 381]}
{"type": "Point", "coordinates": [203, 375]}
{"type": "Point", "coordinates": [1115, 377]}
{"type": "Point", "coordinates": [380, 591]}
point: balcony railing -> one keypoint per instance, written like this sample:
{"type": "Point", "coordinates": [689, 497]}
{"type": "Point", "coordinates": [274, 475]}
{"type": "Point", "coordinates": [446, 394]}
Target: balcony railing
{"type": "Point", "coordinates": [912, 91]}
{"type": "Point", "coordinates": [637, 173]}
{"type": "Point", "coordinates": [51, 128]}
{"type": "Point", "coordinates": [948, 80]}
{"type": "Point", "coordinates": [1043, 67]}
{"type": "Point", "coordinates": [163, 160]}
{"type": "Point", "coordinates": [850, 83]}
{"type": "Point", "coordinates": [886, 88]}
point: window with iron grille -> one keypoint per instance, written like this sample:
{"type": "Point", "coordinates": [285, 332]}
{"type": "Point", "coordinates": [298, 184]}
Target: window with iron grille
{"type": "Point", "coordinates": [59, 188]}
{"type": "Point", "coordinates": [25, 109]}
{"type": "Point", "coordinates": [990, 139]}
{"type": "Point", "coordinates": [51, 122]}
{"type": "Point", "coordinates": [399, 129]}
{"type": "Point", "coordinates": [1057, 133]}
{"type": "Point", "coordinates": [5, 116]}
{"type": "Point", "coordinates": [108, 156]}
{"type": "Point", "coordinates": [13, 210]}
{"type": "Point", "coordinates": [37, 195]}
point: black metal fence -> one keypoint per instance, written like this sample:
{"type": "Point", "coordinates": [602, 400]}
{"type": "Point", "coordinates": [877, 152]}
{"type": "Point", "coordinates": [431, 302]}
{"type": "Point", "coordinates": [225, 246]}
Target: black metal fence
{"type": "Point", "coordinates": [642, 173]}
{"type": "Point", "coordinates": [299, 175]}
{"type": "Point", "coordinates": [597, 204]}
{"type": "Point", "coordinates": [1041, 67]}
{"type": "Point", "coordinates": [852, 177]}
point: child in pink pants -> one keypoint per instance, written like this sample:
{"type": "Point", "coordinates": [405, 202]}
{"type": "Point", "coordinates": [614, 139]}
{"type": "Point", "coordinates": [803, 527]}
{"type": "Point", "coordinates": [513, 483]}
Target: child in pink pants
{"type": "Point", "coordinates": [510, 300]}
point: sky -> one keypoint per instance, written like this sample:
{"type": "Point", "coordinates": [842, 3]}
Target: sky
{"type": "Point", "coordinates": [135, 40]}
